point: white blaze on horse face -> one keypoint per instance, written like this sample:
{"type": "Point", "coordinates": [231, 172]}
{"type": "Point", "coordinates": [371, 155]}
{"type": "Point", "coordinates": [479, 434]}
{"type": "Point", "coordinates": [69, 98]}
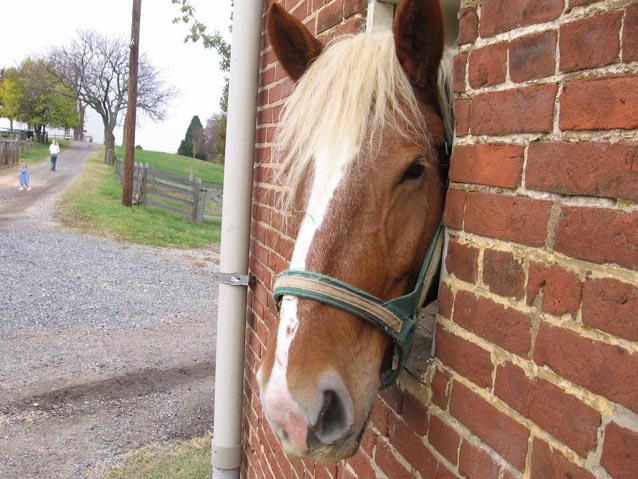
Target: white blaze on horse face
{"type": "Point", "coordinates": [281, 408]}
{"type": "Point", "coordinates": [325, 182]}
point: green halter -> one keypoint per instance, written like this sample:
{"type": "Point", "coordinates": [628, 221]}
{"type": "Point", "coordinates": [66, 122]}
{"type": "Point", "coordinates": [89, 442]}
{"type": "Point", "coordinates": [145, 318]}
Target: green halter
{"type": "Point", "coordinates": [396, 318]}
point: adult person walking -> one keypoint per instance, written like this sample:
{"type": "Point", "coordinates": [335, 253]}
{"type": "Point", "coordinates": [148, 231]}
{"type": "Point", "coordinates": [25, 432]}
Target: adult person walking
{"type": "Point", "coordinates": [54, 149]}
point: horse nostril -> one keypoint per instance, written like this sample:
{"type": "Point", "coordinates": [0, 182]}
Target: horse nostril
{"type": "Point", "coordinates": [332, 422]}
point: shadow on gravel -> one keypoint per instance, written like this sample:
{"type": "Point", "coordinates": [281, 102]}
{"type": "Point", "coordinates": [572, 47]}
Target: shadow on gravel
{"type": "Point", "coordinates": [138, 383]}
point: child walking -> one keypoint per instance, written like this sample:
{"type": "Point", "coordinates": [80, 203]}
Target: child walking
{"type": "Point", "coordinates": [24, 178]}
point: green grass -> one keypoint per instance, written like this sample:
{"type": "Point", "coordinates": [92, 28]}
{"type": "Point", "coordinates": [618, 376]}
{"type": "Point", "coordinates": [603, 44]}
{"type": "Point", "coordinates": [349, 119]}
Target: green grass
{"type": "Point", "coordinates": [175, 460]}
{"type": "Point", "coordinates": [178, 164]}
{"type": "Point", "coordinates": [93, 204]}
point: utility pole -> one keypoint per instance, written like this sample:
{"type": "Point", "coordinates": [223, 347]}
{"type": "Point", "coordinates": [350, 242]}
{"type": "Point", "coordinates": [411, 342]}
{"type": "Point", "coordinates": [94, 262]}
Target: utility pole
{"type": "Point", "coordinates": [129, 136]}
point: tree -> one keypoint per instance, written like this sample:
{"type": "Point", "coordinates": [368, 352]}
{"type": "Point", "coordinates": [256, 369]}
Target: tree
{"type": "Point", "coordinates": [212, 41]}
{"type": "Point", "coordinates": [10, 95]}
{"type": "Point", "coordinates": [212, 138]}
{"type": "Point", "coordinates": [32, 94]}
{"type": "Point", "coordinates": [193, 143]}
{"type": "Point", "coordinates": [95, 67]}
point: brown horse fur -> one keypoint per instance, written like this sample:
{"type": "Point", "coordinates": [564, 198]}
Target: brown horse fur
{"type": "Point", "coordinates": [369, 220]}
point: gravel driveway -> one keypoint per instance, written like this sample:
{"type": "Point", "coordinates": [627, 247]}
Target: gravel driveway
{"type": "Point", "coordinates": [104, 346]}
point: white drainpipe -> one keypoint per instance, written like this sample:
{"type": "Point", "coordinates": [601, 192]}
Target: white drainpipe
{"type": "Point", "coordinates": [235, 239]}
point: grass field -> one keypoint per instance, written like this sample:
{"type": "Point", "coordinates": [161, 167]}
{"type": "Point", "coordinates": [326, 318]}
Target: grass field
{"type": "Point", "coordinates": [93, 203]}
{"type": "Point", "coordinates": [178, 164]}
{"type": "Point", "coordinates": [174, 460]}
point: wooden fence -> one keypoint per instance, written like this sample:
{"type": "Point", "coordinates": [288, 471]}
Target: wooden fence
{"type": "Point", "coordinates": [196, 199]}
{"type": "Point", "coordinates": [10, 150]}
{"type": "Point", "coordinates": [9, 153]}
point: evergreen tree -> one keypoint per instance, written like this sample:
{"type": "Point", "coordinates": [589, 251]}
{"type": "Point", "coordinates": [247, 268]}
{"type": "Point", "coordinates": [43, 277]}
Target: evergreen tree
{"type": "Point", "coordinates": [212, 41]}
{"type": "Point", "coordinates": [192, 144]}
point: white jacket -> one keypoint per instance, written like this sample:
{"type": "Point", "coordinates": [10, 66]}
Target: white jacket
{"type": "Point", "coordinates": [54, 149]}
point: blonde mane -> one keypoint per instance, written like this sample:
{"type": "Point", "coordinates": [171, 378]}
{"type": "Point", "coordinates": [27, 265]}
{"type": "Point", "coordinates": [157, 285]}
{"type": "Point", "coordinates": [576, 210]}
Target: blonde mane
{"type": "Point", "coordinates": [354, 90]}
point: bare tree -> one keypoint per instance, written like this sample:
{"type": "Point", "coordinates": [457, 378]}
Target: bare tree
{"type": "Point", "coordinates": [96, 68]}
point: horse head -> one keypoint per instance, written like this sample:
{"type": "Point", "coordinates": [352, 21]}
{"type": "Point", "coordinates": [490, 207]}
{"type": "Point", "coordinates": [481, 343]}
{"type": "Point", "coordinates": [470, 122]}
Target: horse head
{"type": "Point", "coordinates": [359, 141]}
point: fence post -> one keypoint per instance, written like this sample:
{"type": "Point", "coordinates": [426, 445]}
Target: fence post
{"type": "Point", "coordinates": [110, 156]}
{"type": "Point", "coordinates": [144, 167]}
{"type": "Point", "coordinates": [196, 189]}
{"type": "Point", "coordinates": [201, 205]}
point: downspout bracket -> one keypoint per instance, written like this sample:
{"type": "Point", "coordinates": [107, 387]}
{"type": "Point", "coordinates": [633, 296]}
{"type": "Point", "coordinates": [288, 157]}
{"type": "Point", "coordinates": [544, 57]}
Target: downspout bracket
{"type": "Point", "coordinates": [236, 279]}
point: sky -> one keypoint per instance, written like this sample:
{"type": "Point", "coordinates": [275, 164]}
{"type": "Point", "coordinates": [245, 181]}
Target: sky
{"type": "Point", "coordinates": [31, 27]}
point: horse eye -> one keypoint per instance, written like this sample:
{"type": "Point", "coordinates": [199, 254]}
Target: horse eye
{"type": "Point", "coordinates": [414, 171]}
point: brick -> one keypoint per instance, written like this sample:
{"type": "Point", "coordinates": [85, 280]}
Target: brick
{"type": "Point", "coordinates": [466, 358]}
{"type": "Point", "coordinates": [414, 413]}
{"type": "Point", "coordinates": [461, 117]}
{"type": "Point", "coordinates": [533, 56]}
{"type": "Point", "coordinates": [547, 462]}
{"type": "Point", "coordinates": [578, 3]}
{"type": "Point", "coordinates": [443, 472]}
{"type": "Point", "coordinates": [444, 439]}
{"type": "Point", "coordinates": [505, 327]}
{"type": "Point", "coordinates": [369, 441]}
{"type": "Point", "coordinates": [352, 26]}
{"type": "Point", "coordinates": [346, 474]}
{"type": "Point", "coordinates": [462, 261]}
{"type": "Point", "coordinates": [393, 397]}
{"type": "Point", "coordinates": [590, 169]}
{"type": "Point", "coordinates": [620, 452]}
{"type": "Point", "coordinates": [562, 290]}
{"type": "Point", "coordinates": [498, 430]}
{"type": "Point", "coordinates": [458, 72]}
{"type": "Point", "coordinates": [454, 209]}
{"type": "Point", "coordinates": [488, 65]}
{"type": "Point", "coordinates": [511, 218]}
{"type": "Point", "coordinates": [389, 464]}
{"type": "Point", "coordinates": [440, 389]}
{"type": "Point", "coordinates": [630, 35]}
{"type": "Point", "coordinates": [445, 300]}
{"type": "Point", "coordinates": [521, 110]}
{"type": "Point", "coordinates": [329, 16]}
{"type": "Point", "coordinates": [503, 15]}
{"type": "Point", "coordinates": [379, 416]}
{"type": "Point", "coordinates": [362, 465]}
{"type": "Point", "coordinates": [492, 164]}
{"type": "Point", "coordinates": [604, 369]}
{"type": "Point", "coordinates": [612, 306]}
{"type": "Point", "coordinates": [590, 42]}
{"type": "Point", "coordinates": [476, 463]}
{"type": "Point", "coordinates": [321, 471]}
{"type": "Point", "coordinates": [353, 7]}
{"type": "Point", "coordinates": [411, 447]}
{"type": "Point", "coordinates": [503, 274]}
{"type": "Point", "coordinates": [564, 416]}
{"type": "Point", "coordinates": [468, 26]}
{"type": "Point", "coordinates": [600, 103]}
{"type": "Point", "coordinates": [598, 235]}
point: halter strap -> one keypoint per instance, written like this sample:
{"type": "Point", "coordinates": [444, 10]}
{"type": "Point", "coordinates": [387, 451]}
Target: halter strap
{"type": "Point", "coordinates": [396, 318]}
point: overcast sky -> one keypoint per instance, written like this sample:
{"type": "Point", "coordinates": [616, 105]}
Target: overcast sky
{"type": "Point", "coordinates": [30, 27]}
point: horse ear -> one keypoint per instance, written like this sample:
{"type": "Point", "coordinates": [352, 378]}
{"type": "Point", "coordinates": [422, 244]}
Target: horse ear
{"type": "Point", "coordinates": [293, 44]}
{"type": "Point", "coordinates": [418, 36]}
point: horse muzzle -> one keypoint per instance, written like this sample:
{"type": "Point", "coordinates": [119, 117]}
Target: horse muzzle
{"type": "Point", "coordinates": [321, 427]}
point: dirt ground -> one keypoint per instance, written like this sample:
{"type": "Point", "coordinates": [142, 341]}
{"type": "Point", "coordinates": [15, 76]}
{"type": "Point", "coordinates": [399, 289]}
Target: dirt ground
{"type": "Point", "coordinates": [74, 398]}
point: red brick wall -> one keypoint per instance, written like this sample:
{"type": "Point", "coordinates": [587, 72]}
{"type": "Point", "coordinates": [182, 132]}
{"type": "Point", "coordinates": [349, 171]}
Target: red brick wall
{"type": "Point", "coordinates": [537, 360]}
{"type": "Point", "coordinates": [536, 373]}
